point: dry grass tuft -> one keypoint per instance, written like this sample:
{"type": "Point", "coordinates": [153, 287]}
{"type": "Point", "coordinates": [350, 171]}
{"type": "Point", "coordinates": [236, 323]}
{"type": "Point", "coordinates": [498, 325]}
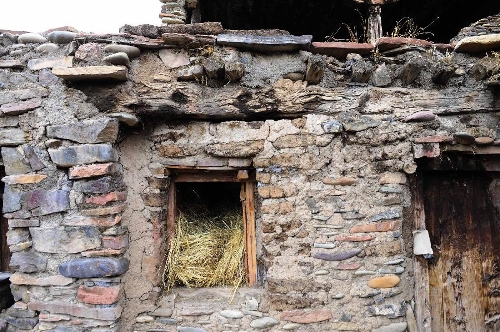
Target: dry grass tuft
{"type": "Point", "coordinates": [407, 28]}
{"type": "Point", "coordinates": [206, 251]}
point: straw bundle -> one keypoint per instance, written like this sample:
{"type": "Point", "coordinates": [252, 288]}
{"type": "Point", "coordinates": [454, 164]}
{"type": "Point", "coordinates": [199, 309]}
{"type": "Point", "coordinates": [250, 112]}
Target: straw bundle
{"type": "Point", "coordinates": [206, 251]}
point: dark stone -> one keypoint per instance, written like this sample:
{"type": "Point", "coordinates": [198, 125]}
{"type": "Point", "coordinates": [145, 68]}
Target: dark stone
{"type": "Point", "coordinates": [46, 78]}
{"type": "Point", "coordinates": [442, 73]}
{"type": "Point", "coordinates": [47, 201]}
{"type": "Point", "coordinates": [23, 323]}
{"type": "Point", "coordinates": [337, 256]}
{"type": "Point", "coordinates": [214, 68]}
{"type": "Point", "coordinates": [72, 48]}
{"type": "Point", "coordinates": [412, 69]}
{"type": "Point", "coordinates": [65, 239]}
{"type": "Point", "coordinates": [89, 131]}
{"type": "Point", "coordinates": [100, 186]}
{"type": "Point", "coordinates": [265, 43]}
{"type": "Point", "coordinates": [146, 30]}
{"type": "Point", "coordinates": [14, 161]}
{"type": "Point", "coordinates": [206, 28]}
{"type": "Point", "coordinates": [11, 199]}
{"type": "Point", "coordinates": [362, 71]}
{"type": "Point", "coordinates": [389, 214]}
{"type": "Point", "coordinates": [94, 267]}
{"type": "Point", "coordinates": [381, 76]}
{"type": "Point", "coordinates": [464, 138]}
{"type": "Point", "coordinates": [83, 154]}
{"type": "Point", "coordinates": [332, 127]}
{"type": "Point", "coordinates": [315, 69]}
{"type": "Point", "coordinates": [234, 71]}
{"type": "Point", "coordinates": [27, 262]}
{"type": "Point", "coordinates": [20, 313]}
{"type": "Point", "coordinates": [12, 137]}
{"type": "Point", "coordinates": [61, 37]}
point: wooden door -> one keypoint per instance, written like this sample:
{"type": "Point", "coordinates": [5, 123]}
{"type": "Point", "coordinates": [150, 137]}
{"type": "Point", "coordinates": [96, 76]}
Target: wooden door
{"type": "Point", "coordinates": [462, 217]}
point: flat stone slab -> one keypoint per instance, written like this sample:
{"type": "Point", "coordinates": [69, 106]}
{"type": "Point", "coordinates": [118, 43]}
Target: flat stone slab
{"type": "Point", "coordinates": [63, 240]}
{"type": "Point", "coordinates": [109, 313]}
{"type": "Point", "coordinates": [115, 73]}
{"type": "Point", "coordinates": [265, 43]}
{"type": "Point", "coordinates": [94, 267]}
{"type": "Point", "coordinates": [340, 256]}
{"type": "Point", "coordinates": [341, 49]}
{"type": "Point", "coordinates": [62, 62]}
{"type": "Point", "coordinates": [14, 64]}
{"type": "Point", "coordinates": [83, 154]}
{"type": "Point", "coordinates": [87, 131]}
{"type": "Point", "coordinates": [481, 43]}
{"type": "Point", "coordinates": [205, 28]}
{"type": "Point", "coordinates": [13, 137]}
{"type": "Point", "coordinates": [306, 317]}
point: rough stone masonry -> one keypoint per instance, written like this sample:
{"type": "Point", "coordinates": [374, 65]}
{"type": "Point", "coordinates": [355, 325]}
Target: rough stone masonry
{"type": "Point", "coordinates": [92, 124]}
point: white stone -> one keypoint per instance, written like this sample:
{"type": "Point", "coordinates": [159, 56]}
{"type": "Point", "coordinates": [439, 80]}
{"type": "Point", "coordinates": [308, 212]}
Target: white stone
{"type": "Point", "coordinates": [263, 323]}
{"type": "Point", "coordinates": [394, 327]}
{"type": "Point", "coordinates": [31, 38]}
{"type": "Point", "coordinates": [231, 314]}
{"type": "Point", "coordinates": [291, 326]}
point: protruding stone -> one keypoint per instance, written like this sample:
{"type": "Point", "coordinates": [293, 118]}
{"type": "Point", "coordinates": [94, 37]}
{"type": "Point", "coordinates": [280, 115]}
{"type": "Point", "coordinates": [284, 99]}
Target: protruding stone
{"type": "Point", "coordinates": [31, 38]}
{"type": "Point", "coordinates": [481, 43]}
{"type": "Point", "coordinates": [99, 295]}
{"type": "Point", "coordinates": [20, 107]}
{"type": "Point", "coordinates": [129, 119]}
{"type": "Point", "coordinates": [465, 138]}
{"type": "Point", "coordinates": [24, 178]}
{"type": "Point", "coordinates": [89, 52]}
{"type": "Point", "coordinates": [381, 76]}
{"type": "Point", "coordinates": [65, 239]}
{"type": "Point", "coordinates": [191, 73]}
{"type": "Point", "coordinates": [17, 235]}
{"type": "Point", "coordinates": [44, 202]}
{"type": "Point", "coordinates": [384, 226]}
{"type": "Point", "coordinates": [92, 221]}
{"type": "Point", "coordinates": [340, 256]}
{"type": "Point", "coordinates": [88, 131]}
{"type": "Point", "coordinates": [107, 313]}
{"type": "Point", "coordinates": [94, 267]}
{"type": "Point", "coordinates": [421, 117]}
{"type": "Point", "coordinates": [119, 59]}
{"type": "Point", "coordinates": [116, 73]}
{"type": "Point", "coordinates": [264, 322]}
{"type": "Point", "coordinates": [306, 317]}
{"type": "Point", "coordinates": [205, 28]}
{"type": "Point", "coordinates": [92, 170]}
{"type": "Point", "coordinates": [235, 71]}
{"type": "Point", "coordinates": [315, 69]}
{"type": "Point", "coordinates": [105, 199]}
{"type": "Point", "coordinates": [11, 199]}
{"type": "Point", "coordinates": [388, 43]}
{"type": "Point", "coordinates": [484, 140]}
{"type": "Point", "coordinates": [13, 137]}
{"type": "Point", "coordinates": [131, 51]}
{"type": "Point", "coordinates": [214, 68]}
{"type": "Point", "coordinates": [26, 279]}
{"type": "Point", "coordinates": [104, 210]}
{"type": "Point", "coordinates": [360, 123]}
{"type": "Point", "coordinates": [332, 127]}
{"type": "Point", "coordinates": [83, 154]}
{"type": "Point", "coordinates": [162, 312]}
{"type": "Point", "coordinates": [27, 262]}
{"type": "Point", "coordinates": [14, 64]}
{"type": "Point", "coordinates": [174, 59]}
{"type": "Point", "coordinates": [348, 266]}
{"type": "Point", "coordinates": [384, 282]}
{"type": "Point", "coordinates": [429, 150]}
{"type": "Point", "coordinates": [61, 37]}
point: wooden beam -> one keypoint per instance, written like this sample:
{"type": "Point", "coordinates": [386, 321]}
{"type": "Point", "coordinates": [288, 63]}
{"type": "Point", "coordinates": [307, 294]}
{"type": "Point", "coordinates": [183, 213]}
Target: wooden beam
{"type": "Point", "coordinates": [421, 271]}
{"type": "Point", "coordinates": [171, 213]}
{"type": "Point", "coordinates": [212, 176]}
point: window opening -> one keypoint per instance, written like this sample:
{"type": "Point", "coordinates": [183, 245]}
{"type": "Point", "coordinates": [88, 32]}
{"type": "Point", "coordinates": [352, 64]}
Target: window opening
{"type": "Point", "coordinates": [211, 230]}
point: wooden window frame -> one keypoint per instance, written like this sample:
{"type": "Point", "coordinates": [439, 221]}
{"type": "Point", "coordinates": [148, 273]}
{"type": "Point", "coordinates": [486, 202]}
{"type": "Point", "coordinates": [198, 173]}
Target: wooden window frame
{"type": "Point", "coordinates": [247, 180]}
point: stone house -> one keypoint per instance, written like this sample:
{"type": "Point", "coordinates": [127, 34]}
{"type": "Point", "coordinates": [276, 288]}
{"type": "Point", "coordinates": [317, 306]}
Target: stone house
{"type": "Point", "coordinates": [367, 174]}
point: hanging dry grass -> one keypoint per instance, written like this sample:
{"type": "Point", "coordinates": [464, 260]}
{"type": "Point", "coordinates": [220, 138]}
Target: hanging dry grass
{"type": "Point", "coordinates": [206, 251]}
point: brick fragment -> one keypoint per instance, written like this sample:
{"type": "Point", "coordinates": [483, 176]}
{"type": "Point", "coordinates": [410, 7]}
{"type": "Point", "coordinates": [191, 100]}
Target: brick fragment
{"type": "Point", "coordinates": [87, 171]}
{"type": "Point", "coordinates": [104, 199]}
{"type": "Point", "coordinates": [98, 295]}
{"type": "Point", "coordinates": [384, 226]}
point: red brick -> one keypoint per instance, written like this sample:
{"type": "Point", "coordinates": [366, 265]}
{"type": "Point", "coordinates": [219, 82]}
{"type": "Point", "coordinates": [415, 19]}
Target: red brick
{"type": "Point", "coordinates": [384, 226]}
{"type": "Point", "coordinates": [104, 211]}
{"type": "Point", "coordinates": [52, 317]}
{"type": "Point", "coordinates": [388, 43]}
{"type": "Point", "coordinates": [104, 199]}
{"type": "Point", "coordinates": [24, 178]}
{"type": "Point", "coordinates": [99, 295]}
{"type": "Point", "coordinates": [345, 181]}
{"type": "Point", "coordinates": [87, 171]}
{"type": "Point", "coordinates": [341, 49]}
{"type": "Point", "coordinates": [354, 238]}
{"type": "Point", "coordinates": [115, 242]}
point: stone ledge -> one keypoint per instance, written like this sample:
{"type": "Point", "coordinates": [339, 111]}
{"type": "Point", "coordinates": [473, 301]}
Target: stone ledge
{"type": "Point", "coordinates": [265, 43]}
{"type": "Point", "coordinates": [115, 73]}
{"type": "Point", "coordinates": [341, 49]}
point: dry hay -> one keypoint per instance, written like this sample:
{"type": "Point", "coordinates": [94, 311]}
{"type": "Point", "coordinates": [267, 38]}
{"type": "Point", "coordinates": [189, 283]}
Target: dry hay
{"type": "Point", "coordinates": [206, 251]}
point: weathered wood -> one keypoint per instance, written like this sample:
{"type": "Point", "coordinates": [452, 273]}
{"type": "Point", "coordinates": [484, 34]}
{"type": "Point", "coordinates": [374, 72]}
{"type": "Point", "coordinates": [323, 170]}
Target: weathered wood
{"type": "Point", "coordinates": [265, 43]}
{"type": "Point", "coordinates": [422, 312]}
{"type": "Point", "coordinates": [374, 24]}
{"type": "Point", "coordinates": [249, 232]}
{"type": "Point", "coordinates": [205, 28]}
{"type": "Point", "coordinates": [186, 40]}
{"type": "Point", "coordinates": [210, 176]}
{"type": "Point", "coordinates": [4, 248]}
{"type": "Point", "coordinates": [289, 99]}
{"type": "Point", "coordinates": [171, 213]}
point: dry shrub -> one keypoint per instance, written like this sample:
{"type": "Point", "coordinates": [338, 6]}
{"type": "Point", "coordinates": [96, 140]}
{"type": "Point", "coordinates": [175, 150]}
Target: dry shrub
{"type": "Point", "coordinates": [206, 251]}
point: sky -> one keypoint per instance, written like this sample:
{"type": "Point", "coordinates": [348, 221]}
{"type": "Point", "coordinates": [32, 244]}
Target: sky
{"type": "Point", "coordinates": [87, 16]}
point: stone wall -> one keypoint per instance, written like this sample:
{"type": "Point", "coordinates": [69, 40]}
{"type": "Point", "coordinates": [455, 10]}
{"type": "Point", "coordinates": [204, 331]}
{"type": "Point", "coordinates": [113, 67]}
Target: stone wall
{"type": "Point", "coordinates": [90, 125]}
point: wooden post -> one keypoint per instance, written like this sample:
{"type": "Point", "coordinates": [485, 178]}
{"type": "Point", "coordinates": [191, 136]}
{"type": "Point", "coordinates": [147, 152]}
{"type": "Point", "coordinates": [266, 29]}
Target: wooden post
{"type": "Point", "coordinates": [374, 29]}
{"type": "Point", "coordinates": [422, 300]}
{"type": "Point", "coordinates": [171, 213]}
{"type": "Point", "coordinates": [249, 232]}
